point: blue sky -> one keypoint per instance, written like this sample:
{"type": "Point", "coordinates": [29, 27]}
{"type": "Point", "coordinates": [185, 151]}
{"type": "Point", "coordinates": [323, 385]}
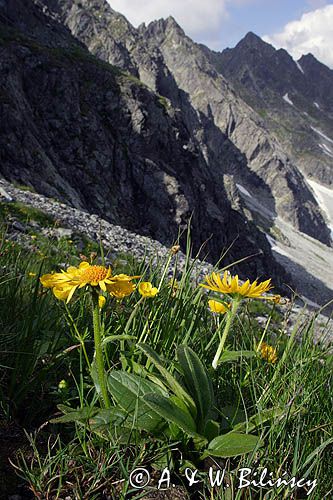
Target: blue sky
{"type": "Point", "coordinates": [300, 26]}
{"type": "Point", "coordinates": [263, 17]}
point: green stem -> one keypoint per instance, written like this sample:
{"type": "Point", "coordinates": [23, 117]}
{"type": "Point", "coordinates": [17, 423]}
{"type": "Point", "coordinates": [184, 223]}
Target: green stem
{"type": "Point", "coordinates": [166, 268]}
{"type": "Point", "coordinates": [98, 350]}
{"type": "Point", "coordinates": [230, 318]}
{"type": "Point", "coordinates": [127, 326]}
{"type": "Point", "coordinates": [79, 337]}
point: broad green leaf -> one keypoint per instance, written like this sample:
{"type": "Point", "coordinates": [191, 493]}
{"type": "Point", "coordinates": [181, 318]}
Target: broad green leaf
{"type": "Point", "coordinates": [172, 413]}
{"type": "Point", "coordinates": [114, 422]}
{"type": "Point", "coordinates": [212, 429]}
{"type": "Point", "coordinates": [81, 415]}
{"type": "Point", "coordinates": [231, 416]}
{"type": "Point", "coordinates": [64, 408]}
{"type": "Point", "coordinates": [231, 445]}
{"type": "Point", "coordinates": [153, 377]}
{"type": "Point", "coordinates": [106, 421]}
{"type": "Point", "coordinates": [128, 390]}
{"type": "Point", "coordinates": [258, 419]}
{"type": "Point", "coordinates": [197, 382]}
{"type": "Point", "coordinates": [105, 417]}
{"type": "Point", "coordinates": [172, 383]}
{"type": "Point", "coordinates": [235, 355]}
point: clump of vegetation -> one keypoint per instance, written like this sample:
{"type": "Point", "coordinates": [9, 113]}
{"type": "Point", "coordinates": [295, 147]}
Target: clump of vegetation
{"type": "Point", "coordinates": [109, 368]}
{"type": "Point", "coordinates": [24, 213]}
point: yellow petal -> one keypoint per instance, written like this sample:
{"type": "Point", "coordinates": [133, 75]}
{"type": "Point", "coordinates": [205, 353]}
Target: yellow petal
{"type": "Point", "coordinates": [218, 307]}
{"type": "Point", "coordinates": [101, 301]}
{"type": "Point", "coordinates": [71, 293]}
{"type": "Point", "coordinates": [146, 289]}
{"type": "Point", "coordinates": [61, 293]}
{"type": "Point", "coordinates": [84, 265]}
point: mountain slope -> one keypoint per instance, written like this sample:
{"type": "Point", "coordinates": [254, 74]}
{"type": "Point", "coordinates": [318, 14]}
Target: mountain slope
{"type": "Point", "coordinates": [295, 100]}
{"type": "Point", "coordinates": [88, 134]}
{"type": "Point", "coordinates": [187, 74]}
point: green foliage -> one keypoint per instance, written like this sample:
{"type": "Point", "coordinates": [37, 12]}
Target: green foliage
{"type": "Point", "coordinates": [24, 213]}
{"type": "Point", "coordinates": [168, 406]}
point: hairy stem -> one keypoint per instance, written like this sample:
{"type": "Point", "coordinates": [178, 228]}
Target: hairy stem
{"type": "Point", "coordinates": [98, 351]}
{"type": "Point", "coordinates": [230, 318]}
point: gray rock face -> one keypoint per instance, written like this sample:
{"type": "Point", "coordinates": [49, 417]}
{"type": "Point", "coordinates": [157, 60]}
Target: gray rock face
{"type": "Point", "coordinates": [294, 100]}
{"type": "Point", "coordinates": [88, 134]}
{"type": "Point", "coordinates": [230, 132]}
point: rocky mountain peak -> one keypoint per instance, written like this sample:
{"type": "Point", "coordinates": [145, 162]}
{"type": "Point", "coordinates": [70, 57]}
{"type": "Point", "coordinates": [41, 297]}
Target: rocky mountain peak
{"type": "Point", "coordinates": [309, 62]}
{"type": "Point", "coordinates": [224, 125]}
{"type": "Point", "coordinates": [187, 135]}
{"type": "Point", "coordinates": [253, 42]}
{"type": "Point", "coordinates": [164, 27]}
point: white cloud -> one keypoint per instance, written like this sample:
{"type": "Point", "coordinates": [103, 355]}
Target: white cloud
{"type": "Point", "coordinates": [312, 33]}
{"type": "Point", "coordinates": [199, 19]}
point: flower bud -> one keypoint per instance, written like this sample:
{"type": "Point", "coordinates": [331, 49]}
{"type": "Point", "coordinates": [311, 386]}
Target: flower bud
{"type": "Point", "coordinates": [62, 385]}
{"type": "Point", "coordinates": [101, 301]}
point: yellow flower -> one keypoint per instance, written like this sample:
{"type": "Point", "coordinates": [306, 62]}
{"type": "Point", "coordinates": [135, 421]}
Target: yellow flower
{"type": "Point", "coordinates": [62, 385]}
{"type": "Point", "coordinates": [101, 301]}
{"type": "Point", "coordinates": [65, 283]}
{"type": "Point", "coordinates": [33, 237]}
{"type": "Point", "coordinates": [31, 275]}
{"type": "Point", "coordinates": [175, 249]}
{"type": "Point", "coordinates": [218, 307]}
{"type": "Point", "coordinates": [146, 289]}
{"type": "Point", "coordinates": [268, 353]}
{"type": "Point", "coordinates": [121, 286]}
{"type": "Point", "coordinates": [173, 283]}
{"type": "Point", "coordinates": [230, 285]}
{"type": "Point", "coordinates": [174, 286]}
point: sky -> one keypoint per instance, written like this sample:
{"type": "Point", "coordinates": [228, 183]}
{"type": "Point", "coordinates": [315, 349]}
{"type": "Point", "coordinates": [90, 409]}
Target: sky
{"type": "Point", "coordinates": [299, 26]}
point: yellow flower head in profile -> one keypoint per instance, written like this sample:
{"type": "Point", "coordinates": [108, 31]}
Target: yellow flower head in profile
{"type": "Point", "coordinates": [230, 285]}
{"type": "Point", "coordinates": [268, 353]}
{"type": "Point", "coordinates": [218, 307]}
{"type": "Point", "coordinates": [65, 283]}
{"type": "Point", "coordinates": [146, 289]}
{"type": "Point", "coordinates": [121, 286]}
{"type": "Point", "coordinates": [101, 301]}
{"type": "Point", "coordinates": [175, 249]}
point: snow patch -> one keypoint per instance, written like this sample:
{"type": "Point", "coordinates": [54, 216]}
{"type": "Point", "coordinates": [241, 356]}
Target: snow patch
{"type": "Point", "coordinates": [276, 248]}
{"type": "Point", "coordinates": [242, 190]}
{"type": "Point", "coordinates": [282, 252]}
{"type": "Point", "coordinates": [271, 240]}
{"type": "Point", "coordinates": [326, 150]}
{"type": "Point", "coordinates": [286, 98]}
{"type": "Point", "coordinates": [322, 134]}
{"type": "Point", "coordinates": [317, 105]}
{"type": "Point", "coordinates": [299, 67]}
{"type": "Point", "coordinates": [324, 198]}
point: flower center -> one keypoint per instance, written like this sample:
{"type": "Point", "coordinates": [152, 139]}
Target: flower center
{"type": "Point", "coordinates": [93, 274]}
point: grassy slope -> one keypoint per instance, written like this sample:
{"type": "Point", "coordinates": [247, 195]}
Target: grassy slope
{"type": "Point", "coordinates": [39, 348]}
